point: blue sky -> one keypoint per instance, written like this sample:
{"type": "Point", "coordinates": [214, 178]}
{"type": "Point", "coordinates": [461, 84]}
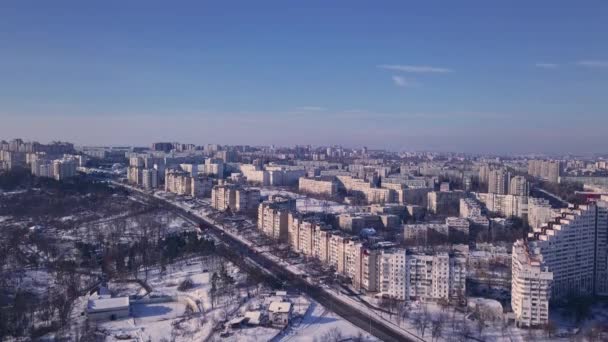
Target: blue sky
{"type": "Point", "coordinates": [521, 76]}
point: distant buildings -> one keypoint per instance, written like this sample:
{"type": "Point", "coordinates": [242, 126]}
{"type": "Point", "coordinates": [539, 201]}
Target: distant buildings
{"type": "Point", "coordinates": [519, 186]}
{"type": "Point", "coordinates": [540, 212]}
{"type": "Point", "coordinates": [505, 205]}
{"type": "Point", "coordinates": [235, 197]}
{"type": "Point", "coordinates": [498, 182]}
{"type": "Point", "coordinates": [548, 170]}
{"type": "Point", "coordinates": [59, 169]}
{"type": "Point", "coordinates": [182, 183]}
{"type": "Point", "coordinates": [362, 188]}
{"type": "Point", "coordinates": [318, 186]}
{"type": "Point", "coordinates": [444, 202]}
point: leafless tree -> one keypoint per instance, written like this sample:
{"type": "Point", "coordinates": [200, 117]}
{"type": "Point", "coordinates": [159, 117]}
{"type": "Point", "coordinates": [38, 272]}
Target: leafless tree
{"type": "Point", "coordinates": [437, 325]}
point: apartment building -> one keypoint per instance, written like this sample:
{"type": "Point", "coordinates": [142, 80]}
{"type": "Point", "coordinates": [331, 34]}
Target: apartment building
{"type": "Point", "coordinates": [548, 170]}
{"type": "Point", "coordinates": [505, 205]}
{"type": "Point", "coordinates": [540, 212]}
{"type": "Point", "coordinates": [354, 223]}
{"type": "Point", "coordinates": [444, 202]}
{"type": "Point", "coordinates": [360, 187]}
{"type": "Point", "coordinates": [574, 247]}
{"type": "Point", "coordinates": [470, 207]}
{"type": "Point", "coordinates": [458, 224]}
{"type": "Point", "coordinates": [235, 197]}
{"type": "Point", "coordinates": [273, 217]}
{"type": "Point", "coordinates": [392, 274]}
{"type": "Point", "coordinates": [421, 233]}
{"type": "Point", "coordinates": [498, 182]}
{"type": "Point", "coordinates": [566, 257]}
{"type": "Point", "coordinates": [59, 169]}
{"type": "Point", "coordinates": [179, 182]}
{"type": "Point", "coordinates": [519, 186]}
{"type": "Point", "coordinates": [530, 287]}
{"type": "Point", "coordinates": [149, 179]}
{"type": "Point", "coordinates": [406, 276]}
{"type": "Point", "coordinates": [318, 186]}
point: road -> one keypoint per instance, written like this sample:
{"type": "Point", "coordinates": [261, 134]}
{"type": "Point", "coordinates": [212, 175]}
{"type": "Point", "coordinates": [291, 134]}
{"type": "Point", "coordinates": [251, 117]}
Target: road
{"type": "Point", "coordinates": [238, 252]}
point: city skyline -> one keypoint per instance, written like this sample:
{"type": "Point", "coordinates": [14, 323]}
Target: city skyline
{"type": "Point", "coordinates": [519, 79]}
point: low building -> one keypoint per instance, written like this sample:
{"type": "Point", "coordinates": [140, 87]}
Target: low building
{"type": "Point", "coordinates": [279, 313]}
{"type": "Point", "coordinates": [102, 309]}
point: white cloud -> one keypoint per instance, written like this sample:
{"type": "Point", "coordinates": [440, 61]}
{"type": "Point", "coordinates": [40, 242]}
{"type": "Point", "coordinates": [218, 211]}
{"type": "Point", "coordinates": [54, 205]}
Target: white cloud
{"type": "Point", "coordinates": [414, 68]}
{"type": "Point", "coordinates": [547, 65]}
{"type": "Point", "coordinates": [401, 81]}
{"type": "Point", "coordinates": [594, 63]}
{"type": "Point", "coordinates": [311, 108]}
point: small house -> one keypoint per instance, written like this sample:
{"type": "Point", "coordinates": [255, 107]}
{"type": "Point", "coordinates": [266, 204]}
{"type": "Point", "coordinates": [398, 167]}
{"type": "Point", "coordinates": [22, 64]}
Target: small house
{"type": "Point", "coordinates": [279, 313]}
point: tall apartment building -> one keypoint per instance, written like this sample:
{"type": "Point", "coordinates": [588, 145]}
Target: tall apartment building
{"type": "Point", "coordinates": [318, 186]}
{"type": "Point", "coordinates": [273, 217]}
{"type": "Point", "coordinates": [469, 207]}
{"type": "Point", "coordinates": [567, 257]}
{"type": "Point", "coordinates": [540, 212]}
{"type": "Point", "coordinates": [237, 198]}
{"type": "Point", "coordinates": [505, 205]}
{"type": "Point", "coordinates": [548, 170]}
{"type": "Point", "coordinates": [444, 203]}
{"type": "Point", "coordinates": [530, 287]}
{"type": "Point", "coordinates": [519, 186]}
{"type": "Point", "coordinates": [64, 168]}
{"type": "Point", "coordinates": [59, 169]}
{"type": "Point", "coordinates": [392, 274]}
{"type": "Point", "coordinates": [484, 173]}
{"type": "Point", "coordinates": [149, 179]}
{"type": "Point", "coordinates": [574, 246]}
{"type": "Point", "coordinates": [416, 276]}
{"type": "Point", "coordinates": [12, 159]}
{"type": "Point", "coordinates": [498, 182]}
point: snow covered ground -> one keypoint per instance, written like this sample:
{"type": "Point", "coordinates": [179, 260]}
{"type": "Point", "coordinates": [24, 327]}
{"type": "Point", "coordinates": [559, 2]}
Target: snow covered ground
{"type": "Point", "coordinates": [318, 323]}
{"type": "Point", "coordinates": [306, 204]}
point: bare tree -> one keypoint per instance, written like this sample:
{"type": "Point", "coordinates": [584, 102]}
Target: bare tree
{"type": "Point", "coordinates": [437, 325]}
{"type": "Point", "coordinates": [333, 335]}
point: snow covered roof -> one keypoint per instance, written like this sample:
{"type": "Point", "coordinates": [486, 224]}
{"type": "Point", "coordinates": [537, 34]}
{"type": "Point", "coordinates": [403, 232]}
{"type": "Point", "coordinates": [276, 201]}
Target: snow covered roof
{"type": "Point", "coordinates": [254, 317]}
{"type": "Point", "coordinates": [279, 307]}
{"type": "Point", "coordinates": [108, 304]}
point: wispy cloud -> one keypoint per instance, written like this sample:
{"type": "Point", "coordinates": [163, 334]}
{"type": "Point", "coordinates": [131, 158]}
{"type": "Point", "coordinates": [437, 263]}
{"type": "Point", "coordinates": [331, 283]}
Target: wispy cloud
{"type": "Point", "coordinates": [593, 63]}
{"type": "Point", "coordinates": [310, 108]}
{"type": "Point", "coordinates": [547, 65]}
{"type": "Point", "coordinates": [400, 81]}
{"type": "Point", "coordinates": [414, 68]}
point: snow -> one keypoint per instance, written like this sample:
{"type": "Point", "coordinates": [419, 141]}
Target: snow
{"type": "Point", "coordinates": [306, 204]}
{"type": "Point", "coordinates": [101, 304]}
{"type": "Point", "coordinates": [317, 322]}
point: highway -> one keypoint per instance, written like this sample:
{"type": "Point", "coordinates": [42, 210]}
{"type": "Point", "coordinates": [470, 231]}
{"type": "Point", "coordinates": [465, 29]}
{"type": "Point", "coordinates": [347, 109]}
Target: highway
{"type": "Point", "coordinates": [238, 252]}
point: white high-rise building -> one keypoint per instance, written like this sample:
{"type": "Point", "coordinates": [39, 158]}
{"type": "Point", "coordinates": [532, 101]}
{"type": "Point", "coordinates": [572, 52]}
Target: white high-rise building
{"type": "Point", "coordinates": [573, 248]}
{"type": "Point", "coordinates": [519, 186]}
{"type": "Point", "coordinates": [273, 218]}
{"type": "Point", "coordinates": [498, 182]}
{"type": "Point", "coordinates": [149, 179]}
{"type": "Point", "coordinates": [540, 212]}
{"type": "Point", "coordinates": [530, 287]}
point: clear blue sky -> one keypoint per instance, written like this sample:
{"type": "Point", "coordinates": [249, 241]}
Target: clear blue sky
{"type": "Point", "coordinates": [514, 76]}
